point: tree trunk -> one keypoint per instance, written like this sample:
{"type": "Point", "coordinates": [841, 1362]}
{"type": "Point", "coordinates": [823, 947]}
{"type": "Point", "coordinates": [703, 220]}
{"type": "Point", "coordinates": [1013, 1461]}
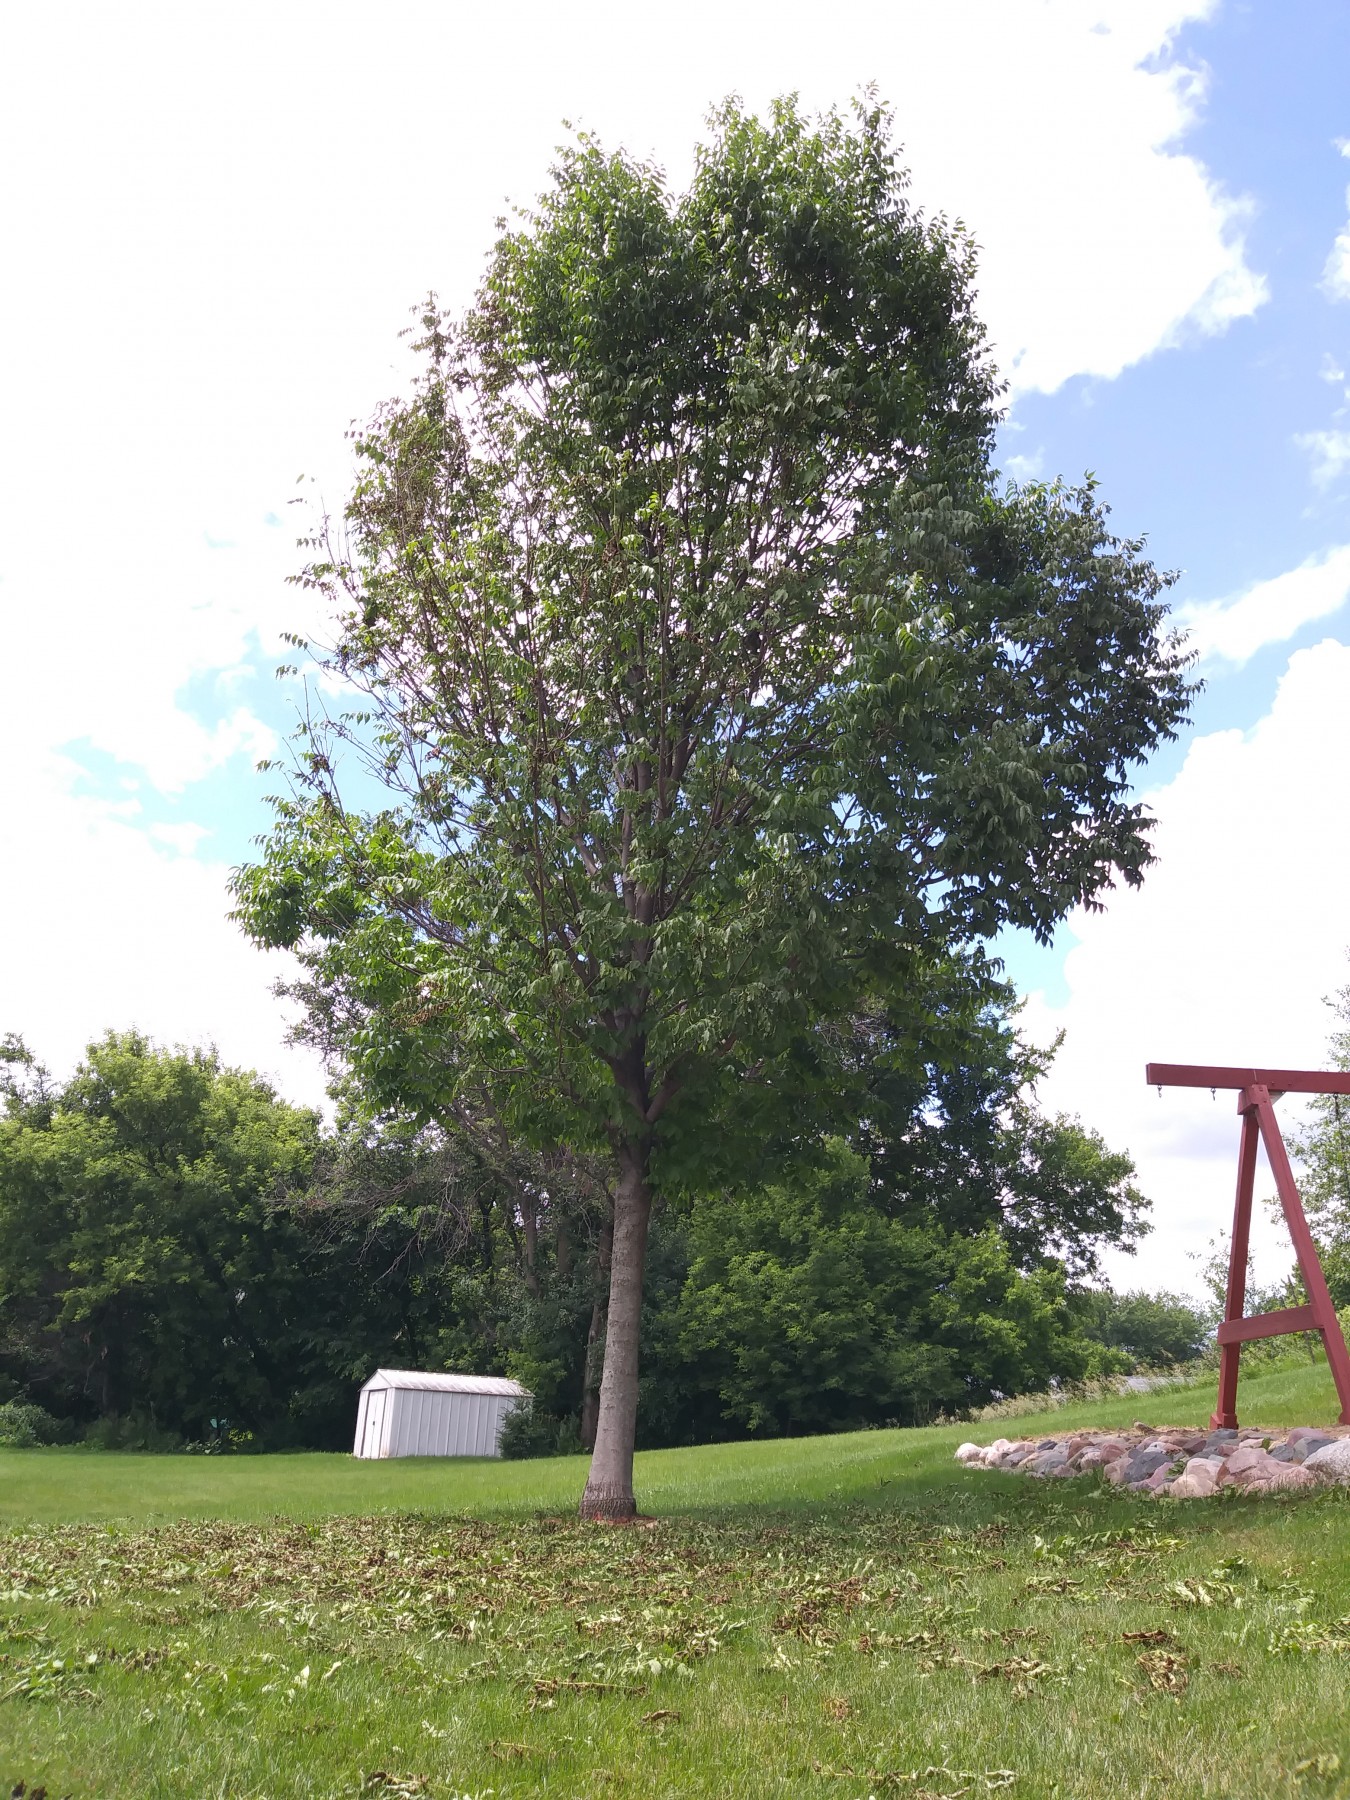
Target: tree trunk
{"type": "Point", "coordinates": [609, 1486]}
{"type": "Point", "coordinates": [590, 1380]}
{"type": "Point", "coordinates": [529, 1220]}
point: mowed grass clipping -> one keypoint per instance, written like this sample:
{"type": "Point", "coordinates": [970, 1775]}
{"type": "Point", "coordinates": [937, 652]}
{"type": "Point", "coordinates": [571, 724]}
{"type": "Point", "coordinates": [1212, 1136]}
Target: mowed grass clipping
{"type": "Point", "coordinates": [843, 1616]}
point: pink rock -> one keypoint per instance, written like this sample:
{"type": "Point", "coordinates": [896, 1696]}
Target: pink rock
{"type": "Point", "coordinates": [1255, 1468]}
{"type": "Point", "coordinates": [1197, 1481]}
{"type": "Point", "coordinates": [1246, 1456]}
{"type": "Point", "coordinates": [1289, 1475]}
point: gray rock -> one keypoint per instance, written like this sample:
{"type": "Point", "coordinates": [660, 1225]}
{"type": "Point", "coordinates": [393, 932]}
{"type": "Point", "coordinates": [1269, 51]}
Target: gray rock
{"type": "Point", "coordinates": [1309, 1441]}
{"type": "Point", "coordinates": [1049, 1462]}
{"type": "Point", "coordinates": [1331, 1462]}
{"type": "Point", "coordinates": [1289, 1453]}
{"type": "Point", "coordinates": [1143, 1462]}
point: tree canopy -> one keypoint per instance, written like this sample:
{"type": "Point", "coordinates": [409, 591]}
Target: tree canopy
{"type": "Point", "coordinates": [716, 685]}
{"type": "Point", "coordinates": [143, 1266]}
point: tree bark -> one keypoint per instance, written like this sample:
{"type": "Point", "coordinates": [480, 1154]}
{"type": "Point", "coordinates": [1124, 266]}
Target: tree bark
{"type": "Point", "coordinates": [529, 1220]}
{"type": "Point", "coordinates": [590, 1381]}
{"type": "Point", "coordinates": [609, 1486]}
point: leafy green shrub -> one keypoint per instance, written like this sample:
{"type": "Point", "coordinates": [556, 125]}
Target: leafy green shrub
{"type": "Point", "coordinates": [529, 1432]}
{"type": "Point", "coordinates": [227, 1441]}
{"type": "Point", "coordinates": [24, 1425]}
{"type": "Point", "coordinates": [1147, 1331]}
{"type": "Point", "coordinates": [132, 1433]}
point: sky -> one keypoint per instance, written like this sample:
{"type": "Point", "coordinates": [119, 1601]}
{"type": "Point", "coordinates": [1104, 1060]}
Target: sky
{"type": "Point", "coordinates": [216, 222]}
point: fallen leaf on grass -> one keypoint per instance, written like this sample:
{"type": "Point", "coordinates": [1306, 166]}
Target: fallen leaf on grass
{"type": "Point", "coordinates": [1165, 1671]}
{"type": "Point", "coordinates": [1309, 1637]}
{"type": "Point", "coordinates": [1321, 1766]}
{"type": "Point", "coordinates": [1193, 1592]}
{"type": "Point", "coordinates": [991, 1781]}
{"type": "Point", "coordinates": [505, 1751]}
{"type": "Point", "coordinates": [545, 1687]}
{"type": "Point", "coordinates": [884, 1640]}
{"type": "Point", "coordinates": [49, 1678]}
{"type": "Point", "coordinates": [401, 1787]}
{"type": "Point", "coordinates": [1022, 1671]}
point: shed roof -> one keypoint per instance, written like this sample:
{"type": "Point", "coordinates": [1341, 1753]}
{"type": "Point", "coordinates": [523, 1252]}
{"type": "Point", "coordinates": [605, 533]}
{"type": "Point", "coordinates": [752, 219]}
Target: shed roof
{"type": "Point", "coordinates": [446, 1384]}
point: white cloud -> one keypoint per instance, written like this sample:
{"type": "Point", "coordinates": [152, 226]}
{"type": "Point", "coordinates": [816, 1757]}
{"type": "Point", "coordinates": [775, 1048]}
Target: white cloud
{"type": "Point", "coordinates": [1224, 956]}
{"type": "Point", "coordinates": [1102, 241]}
{"type": "Point", "coordinates": [184, 838]}
{"type": "Point", "coordinates": [1336, 275]}
{"type": "Point", "coordinates": [1330, 453]}
{"type": "Point", "coordinates": [1271, 611]}
{"type": "Point", "coordinates": [104, 928]}
{"type": "Point", "coordinates": [222, 217]}
{"type": "Point", "coordinates": [1028, 467]}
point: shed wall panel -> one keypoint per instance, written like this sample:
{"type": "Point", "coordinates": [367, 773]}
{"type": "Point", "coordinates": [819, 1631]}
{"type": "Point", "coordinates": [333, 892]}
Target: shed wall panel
{"type": "Point", "coordinates": [401, 1405]}
{"type": "Point", "coordinates": [431, 1422]}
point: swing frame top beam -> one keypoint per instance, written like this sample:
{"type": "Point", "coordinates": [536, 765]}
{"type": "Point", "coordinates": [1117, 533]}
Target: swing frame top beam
{"type": "Point", "coordinates": [1275, 1081]}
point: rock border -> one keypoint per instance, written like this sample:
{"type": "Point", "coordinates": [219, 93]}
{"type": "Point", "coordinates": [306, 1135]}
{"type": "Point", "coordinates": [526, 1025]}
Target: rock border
{"type": "Point", "coordinates": [1179, 1461]}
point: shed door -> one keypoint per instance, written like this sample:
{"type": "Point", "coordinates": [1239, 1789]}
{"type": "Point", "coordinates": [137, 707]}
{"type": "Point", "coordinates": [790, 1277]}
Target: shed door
{"type": "Point", "coordinates": [374, 1421]}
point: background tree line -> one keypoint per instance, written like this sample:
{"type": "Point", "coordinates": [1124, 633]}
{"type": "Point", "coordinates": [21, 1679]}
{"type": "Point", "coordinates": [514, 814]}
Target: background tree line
{"type": "Point", "coordinates": [186, 1257]}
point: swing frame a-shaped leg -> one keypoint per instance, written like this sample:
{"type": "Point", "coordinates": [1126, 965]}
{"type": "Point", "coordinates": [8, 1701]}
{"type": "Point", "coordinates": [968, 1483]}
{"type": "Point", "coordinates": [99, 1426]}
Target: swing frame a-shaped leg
{"type": "Point", "coordinates": [1258, 1089]}
{"type": "Point", "coordinates": [1259, 1125]}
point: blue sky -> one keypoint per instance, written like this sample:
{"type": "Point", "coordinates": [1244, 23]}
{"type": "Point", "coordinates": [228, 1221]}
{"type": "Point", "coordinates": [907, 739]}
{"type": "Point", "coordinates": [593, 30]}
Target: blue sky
{"type": "Point", "coordinates": [1203, 445]}
{"type": "Point", "coordinates": [220, 222]}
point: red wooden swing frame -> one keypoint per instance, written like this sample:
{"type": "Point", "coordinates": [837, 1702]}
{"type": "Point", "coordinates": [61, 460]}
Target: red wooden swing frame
{"type": "Point", "coordinates": [1258, 1090]}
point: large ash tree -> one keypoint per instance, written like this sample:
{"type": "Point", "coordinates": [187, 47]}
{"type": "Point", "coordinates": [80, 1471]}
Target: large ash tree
{"type": "Point", "coordinates": [714, 682]}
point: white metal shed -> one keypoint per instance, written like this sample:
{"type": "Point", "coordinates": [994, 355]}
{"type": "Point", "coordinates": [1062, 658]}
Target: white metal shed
{"type": "Point", "coordinates": [405, 1413]}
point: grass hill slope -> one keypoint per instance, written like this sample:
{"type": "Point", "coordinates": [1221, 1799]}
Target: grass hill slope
{"type": "Point", "coordinates": [828, 1617]}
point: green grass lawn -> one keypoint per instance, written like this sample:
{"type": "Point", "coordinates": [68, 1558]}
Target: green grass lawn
{"type": "Point", "coordinates": [829, 1617]}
